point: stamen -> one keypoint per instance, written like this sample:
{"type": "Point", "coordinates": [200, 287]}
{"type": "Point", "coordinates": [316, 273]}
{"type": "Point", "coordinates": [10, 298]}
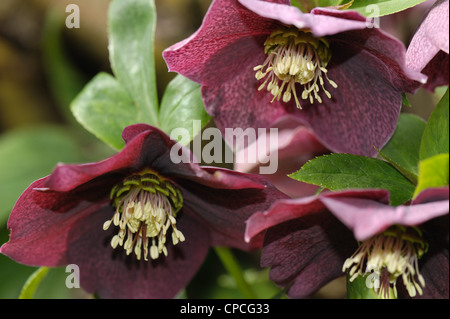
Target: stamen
{"type": "Point", "coordinates": [294, 56]}
{"type": "Point", "coordinates": [395, 252]}
{"type": "Point", "coordinates": [146, 208]}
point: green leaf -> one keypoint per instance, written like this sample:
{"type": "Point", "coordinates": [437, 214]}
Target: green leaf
{"type": "Point", "coordinates": [403, 148]}
{"type": "Point", "coordinates": [345, 171]}
{"type": "Point", "coordinates": [65, 80]}
{"type": "Point", "coordinates": [33, 282]}
{"type": "Point", "coordinates": [433, 172]}
{"type": "Point", "coordinates": [231, 264]}
{"type": "Point", "coordinates": [435, 138]}
{"type": "Point", "coordinates": [132, 26]}
{"type": "Point", "coordinates": [405, 100]}
{"type": "Point", "coordinates": [104, 108]}
{"type": "Point", "coordinates": [362, 287]}
{"type": "Point", "coordinates": [29, 154]}
{"type": "Point", "coordinates": [378, 8]}
{"type": "Point", "coordinates": [305, 5]}
{"type": "Point", "coordinates": [181, 105]}
{"type": "Point", "coordinates": [330, 3]}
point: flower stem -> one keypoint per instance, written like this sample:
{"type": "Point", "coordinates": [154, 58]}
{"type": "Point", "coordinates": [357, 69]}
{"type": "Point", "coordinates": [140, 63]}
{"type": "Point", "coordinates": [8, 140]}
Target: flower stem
{"type": "Point", "coordinates": [232, 266]}
{"type": "Point", "coordinates": [33, 282]}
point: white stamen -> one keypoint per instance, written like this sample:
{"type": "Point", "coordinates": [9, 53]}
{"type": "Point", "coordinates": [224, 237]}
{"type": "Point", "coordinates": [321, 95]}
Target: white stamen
{"type": "Point", "coordinates": [291, 61]}
{"type": "Point", "coordinates": [397, 251]}
{"type": "Point", "coordinates": [144, 217]}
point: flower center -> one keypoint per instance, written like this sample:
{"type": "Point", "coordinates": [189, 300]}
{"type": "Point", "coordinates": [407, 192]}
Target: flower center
{"type": "Point", "coordinates": [146, 206]}
{"type": "Point", "coordinates": [394, 252]}
{"type": "Point", "coordinates": [295, 56]}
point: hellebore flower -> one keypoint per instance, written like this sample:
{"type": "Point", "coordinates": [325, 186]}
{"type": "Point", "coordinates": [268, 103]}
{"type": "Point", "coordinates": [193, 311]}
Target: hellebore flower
{"type": "Point", "coordinates": [311, 241]}
{"type": "Point", "coordinates": [428, 50]}
{"type": "Point", "coordinates": [137, 224]}
{"type": "Point", "coordinates": [258, 61]}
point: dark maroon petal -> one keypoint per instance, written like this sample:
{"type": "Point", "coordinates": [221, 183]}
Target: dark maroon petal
{"type": "Point", "coordinates": [130, 159]}
{"type": "Point", "coordinates": [352, 121]}
{"type": "Point", "coordinates": [132, 131]}
{"type": "Point", "coordinates": [434, 264]}
{"type": "Point", "coordinates": [230, 91]}
{"type": "Point", "coordinates": [306, 253]}
{"type": "Point", "coordinates": [147, 147]}
{"type": "Point", "coordinates": [224, 211]}
{"type": "Point", "coordinates": [355, 121]}
{"type": "Point", "coordinates": [432, 195]}
{"type": "Point", "coordinates": [434, 269]}
{"type": "Point", "coordinates": [437, 71]}
{"type": "Point", "coordinates": [112, 274]}
{"type": "Point", "coordinates": [43, 222]}
{"type": "Point", "coordinates": [225, 22]}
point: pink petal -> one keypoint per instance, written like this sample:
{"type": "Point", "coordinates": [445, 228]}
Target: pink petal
{"type": "Point", "coordinates": [278, 155]}
{"type": "Point", "coordinates": [367, 218]}
{"type": "Point", "coordinates": [284, 210]}
{"type": "Point", "coordinates": [429, 48]}
{"type": "Point", "coordinates": [321, 22]}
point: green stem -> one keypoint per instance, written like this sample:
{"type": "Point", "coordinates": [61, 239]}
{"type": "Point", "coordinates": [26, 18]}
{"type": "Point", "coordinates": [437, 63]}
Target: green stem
{"type": "Point", "coordinates": [33, 282]}
{"type": "Point", "coordinates": [232, 266]}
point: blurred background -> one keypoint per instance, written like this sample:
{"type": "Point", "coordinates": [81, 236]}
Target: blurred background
{"type": "Point", "coordinates": [44, 65]}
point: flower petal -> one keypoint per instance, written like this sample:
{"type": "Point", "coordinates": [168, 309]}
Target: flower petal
{"type": "Point", "coordinates": [225, 22]}
{"type": "Point", "coordinates": [436, 25]}
{"type": "Point", "coordinates": [367, 218]}
{"type": "Point", "coordinates": [230, 90]}
{"type": "Point", "coordinates": [431, 195]}
{"type": "Point", "coordinates": [435, 270]}
{"type": "Point", "coordinates": [111, 274]}
{"type": "Point", "coordinates": [147, 147]}
{"type": "Point", "coordinates": [41, 223]}
{"type": "Point", "coordinates": [224, 211]}
{"type": "Point", "coordinates": [437, 71]}
{"type": "Point", "coordinates": [321, 22]}
{"type": "Point", "coordinates": [360, 121]}
{"type": "Point", "coordinates": [288, 209]}
{"type": "Point", "coordinates": [429, 48]}
{"type": "Point", "coordinates": [278, 155]}
{"type": "Point", "coordinates": [306, 253]}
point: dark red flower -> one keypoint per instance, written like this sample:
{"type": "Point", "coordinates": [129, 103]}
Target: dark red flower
{"type": "Point", "coordinates": [312, 240]}
{"type": "Point", "coordinates": [260, 61]}
{"type": "Point", "coordinates": [137, 224]}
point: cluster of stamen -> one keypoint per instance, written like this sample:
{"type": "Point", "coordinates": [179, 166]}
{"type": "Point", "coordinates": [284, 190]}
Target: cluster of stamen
{"type": "Point", "coordinates": [146, 208]}
{"type": "Point", "coordinates": [395, 252]}
{"type": "Point", "coordinates": [295, 56]}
